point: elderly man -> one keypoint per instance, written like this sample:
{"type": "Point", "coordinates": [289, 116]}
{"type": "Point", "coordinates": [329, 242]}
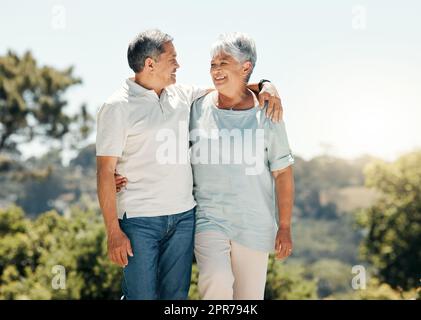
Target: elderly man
{"type": "Point", "coordinates": [150, 224]}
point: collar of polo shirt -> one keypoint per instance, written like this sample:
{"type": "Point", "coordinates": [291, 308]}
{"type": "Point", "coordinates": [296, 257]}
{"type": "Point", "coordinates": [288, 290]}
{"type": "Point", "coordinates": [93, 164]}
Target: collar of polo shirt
{"type": "Point", "coordinates": [139, 90]}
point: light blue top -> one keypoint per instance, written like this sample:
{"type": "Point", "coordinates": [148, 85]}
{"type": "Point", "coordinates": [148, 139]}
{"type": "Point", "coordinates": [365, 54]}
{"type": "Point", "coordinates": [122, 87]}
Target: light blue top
{"type": "Point", "coordinates": [233, 154]}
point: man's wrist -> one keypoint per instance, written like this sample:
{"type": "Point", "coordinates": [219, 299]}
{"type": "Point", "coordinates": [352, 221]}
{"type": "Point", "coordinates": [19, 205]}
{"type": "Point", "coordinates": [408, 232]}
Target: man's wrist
{"type": "Point", "coordinates": [113, 227]}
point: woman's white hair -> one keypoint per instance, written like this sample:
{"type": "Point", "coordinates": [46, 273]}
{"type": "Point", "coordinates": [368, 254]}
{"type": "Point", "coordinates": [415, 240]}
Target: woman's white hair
{"type": "Point", "coordinates": [238, 45]}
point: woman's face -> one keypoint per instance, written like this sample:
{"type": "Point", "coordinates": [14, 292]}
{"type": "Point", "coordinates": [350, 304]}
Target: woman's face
{"type": "Point", "coordinates": [226, 72]}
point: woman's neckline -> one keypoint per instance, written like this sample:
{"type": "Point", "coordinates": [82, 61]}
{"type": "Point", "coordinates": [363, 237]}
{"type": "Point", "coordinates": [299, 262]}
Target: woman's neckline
{"type": "Point", "coordinates": [231, 110]}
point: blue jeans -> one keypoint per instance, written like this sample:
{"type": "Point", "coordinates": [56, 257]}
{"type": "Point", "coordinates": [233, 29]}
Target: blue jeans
{"type": "Point", "coordinates": [162, 256]}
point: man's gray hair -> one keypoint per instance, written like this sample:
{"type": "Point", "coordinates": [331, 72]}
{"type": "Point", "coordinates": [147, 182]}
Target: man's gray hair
{"type": "Point", "coordinates": [238, 45]}
{"type": "Point", "coordinates": [148, 44]}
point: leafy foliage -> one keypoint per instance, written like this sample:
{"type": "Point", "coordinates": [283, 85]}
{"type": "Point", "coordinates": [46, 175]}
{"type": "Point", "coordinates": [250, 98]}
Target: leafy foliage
{"type": "Point", "coordinates": [30, 249]}
{"type": "Point", "coordinates": [393, 223]}
{"type": "Point", "coordinates": [32, 102]}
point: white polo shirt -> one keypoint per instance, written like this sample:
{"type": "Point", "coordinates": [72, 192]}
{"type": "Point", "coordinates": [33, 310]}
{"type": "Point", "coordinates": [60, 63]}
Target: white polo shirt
{"type": "Point", "coordinates": [150, 136]}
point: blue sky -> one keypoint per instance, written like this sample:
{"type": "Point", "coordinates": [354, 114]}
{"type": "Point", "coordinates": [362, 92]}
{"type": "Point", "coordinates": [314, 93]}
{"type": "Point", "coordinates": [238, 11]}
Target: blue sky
{"type": "Point", "coordinates": [349, 72]}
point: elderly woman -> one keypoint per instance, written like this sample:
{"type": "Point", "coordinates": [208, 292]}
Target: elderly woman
{"type": "Point", "coordinates": [243, 180]}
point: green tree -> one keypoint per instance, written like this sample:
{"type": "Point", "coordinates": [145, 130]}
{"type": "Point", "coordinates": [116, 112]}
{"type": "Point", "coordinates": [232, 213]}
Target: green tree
{"type": "Point", "coordinates": [375, 290]}
{"type": "Point", "coordinates": [288, 282]}
{"type": "Point", "coordinates": [393, 224]}
{"type": "Point", "coordinates": [32, 102]}
{"type": "Point", "coordinates": [30, 249]}
{"type": "Point", "coordinates": [332, 276]}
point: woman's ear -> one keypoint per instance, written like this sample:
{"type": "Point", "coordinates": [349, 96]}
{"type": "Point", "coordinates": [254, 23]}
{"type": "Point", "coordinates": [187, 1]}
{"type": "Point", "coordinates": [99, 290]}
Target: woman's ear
{"type": "Point", "coordinates": [247, 68]}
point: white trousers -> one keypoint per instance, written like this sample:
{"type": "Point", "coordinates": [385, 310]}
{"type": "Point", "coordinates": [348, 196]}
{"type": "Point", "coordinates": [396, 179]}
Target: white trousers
{"type": "Point", "coordinates": [229, 270]}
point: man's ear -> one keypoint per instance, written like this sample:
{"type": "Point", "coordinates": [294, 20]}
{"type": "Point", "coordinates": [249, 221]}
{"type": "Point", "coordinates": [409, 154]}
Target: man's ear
{"type": "Point", "coordinates": [149, 64]}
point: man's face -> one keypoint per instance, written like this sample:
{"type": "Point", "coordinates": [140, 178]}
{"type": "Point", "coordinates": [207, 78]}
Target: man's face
{"type": "Point", "coordinates": [167, 65]}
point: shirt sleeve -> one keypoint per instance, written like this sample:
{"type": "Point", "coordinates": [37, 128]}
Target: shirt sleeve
{"type": "Point", "coordinates": [192, 92]}
{"type": "Point", "coordinates": [278, 150]}
{"type": "Point", "coordinates": [111, 131]}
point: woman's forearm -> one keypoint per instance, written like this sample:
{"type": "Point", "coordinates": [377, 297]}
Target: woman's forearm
{"type": "Point", "coordinates": [284, 184]}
